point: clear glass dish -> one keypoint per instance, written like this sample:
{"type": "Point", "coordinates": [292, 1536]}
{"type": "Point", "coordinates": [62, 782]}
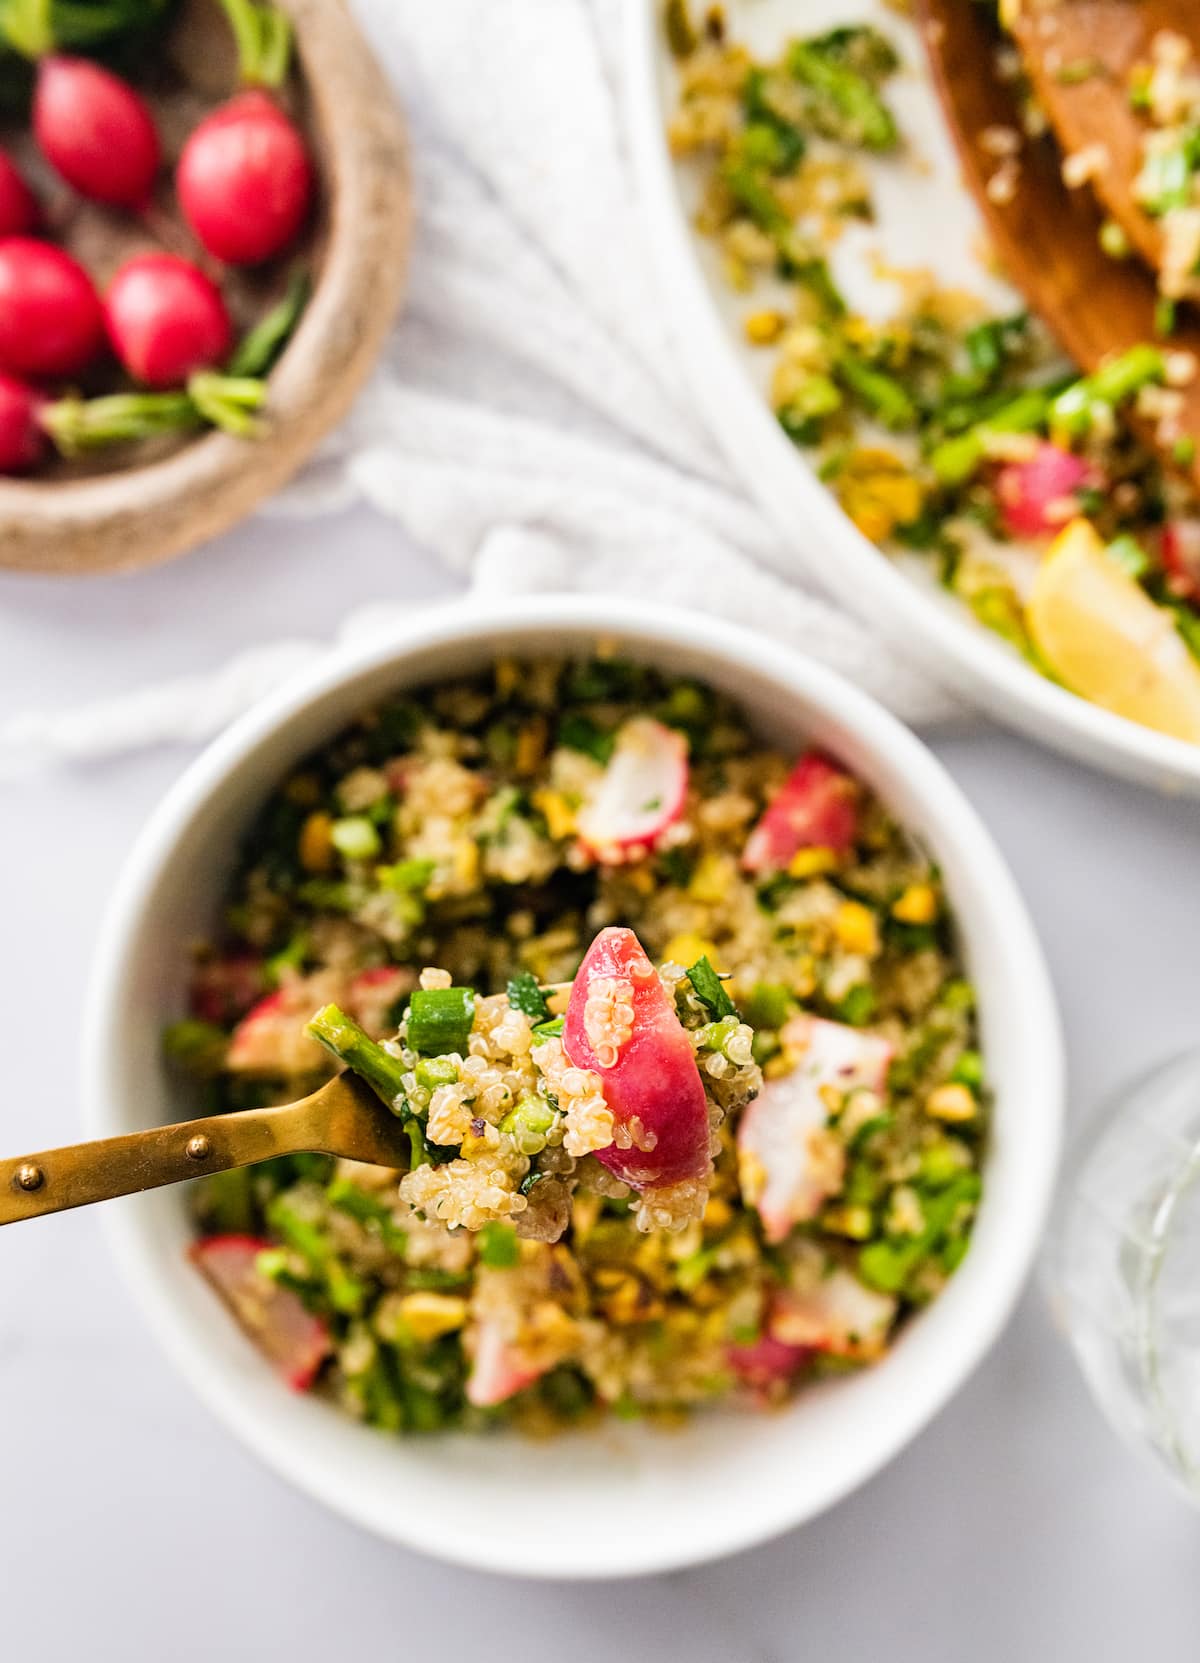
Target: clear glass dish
{"type": "Point", "coordinates": [1124, 1263]}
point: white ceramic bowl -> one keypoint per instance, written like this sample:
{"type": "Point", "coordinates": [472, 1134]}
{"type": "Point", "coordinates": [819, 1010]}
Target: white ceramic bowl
{"type": "Point", "coordinates": [619, 1500]}
{"type": "Point", "coordinates": [920, 211]}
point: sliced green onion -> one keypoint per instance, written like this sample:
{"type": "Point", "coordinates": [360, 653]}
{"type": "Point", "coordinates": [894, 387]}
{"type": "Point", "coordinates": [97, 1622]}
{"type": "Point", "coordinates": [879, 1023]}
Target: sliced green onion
{"type": "Point", "coordinates": [858, 1006]}
{"type": "Point", "coordinates": [356, 837]}
{"type": "Point", "coordinates": [433, 1072]}
{"type": "Point", "coordinates": [406, 876]}
{"type": "Point", "coordinates": [348, 1198]}
{"type": "Point", "coordinates": [498, 1246]}
{"type": "Point", "coordinates": [847, 93]}
{"type": "Point", "coordinates": [528, 1122]}
{"type": "Point", "coordinates": [881, 395]}
{"type": "Point", "coordinates": [440, 1020]}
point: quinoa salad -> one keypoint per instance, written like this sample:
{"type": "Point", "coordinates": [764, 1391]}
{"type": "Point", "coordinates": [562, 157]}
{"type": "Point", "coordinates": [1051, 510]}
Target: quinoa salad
{"type": "Point", "coordinates": [701, 1164]}
{"type": "Point", "coordinates": [943, 429]}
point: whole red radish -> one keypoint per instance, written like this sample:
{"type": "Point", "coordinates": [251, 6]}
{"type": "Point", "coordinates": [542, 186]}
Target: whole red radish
{"type": "Point", "coordinates": [23, 440]}
{"type": "Point", "coordinates": [96, 131]}
{"type": "Point", "coordinates": [18, 205]}
{"type": "Point", "coordinates": [245, 181]}
{"type": "Point", "coordinates": [50, 318]}
{"type": "Point", "coordinates": [165, 319]}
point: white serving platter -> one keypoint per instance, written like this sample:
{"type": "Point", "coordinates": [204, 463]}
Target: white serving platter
{"type": "Point", "coordinates": [926, 219]}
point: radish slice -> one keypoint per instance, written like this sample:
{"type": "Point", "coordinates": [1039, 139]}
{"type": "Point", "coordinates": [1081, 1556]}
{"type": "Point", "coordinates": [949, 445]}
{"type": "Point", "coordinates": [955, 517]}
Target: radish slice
{"type": "Point", "coordinates": [786, 1168]}
{"type": "Point", "coordinates": [621, 1023]}
{"type": "Point", "coordinates": [295, 1341]}
{"type": "Point", "coordinates": [498, 1369]}
{"type": "Point", "coordinates": [372, 995]}
{"type": "Point", "coordinates": [816, 807]}
{"type": "Point", "coordinates": [223, 990]}
{"type": "Point", "coordinates": [641, 792]}
{"type": "Point", "coordinates": [837, 1314]}
{"type": "Point", "coordinates": [1180, 549]}
{"type": "Point", "coordinates": [270, 1038]}
{"type": "Point", "coordinates": [767, 1361]}
{"type": "Point", "coordinates": [1039, 496]}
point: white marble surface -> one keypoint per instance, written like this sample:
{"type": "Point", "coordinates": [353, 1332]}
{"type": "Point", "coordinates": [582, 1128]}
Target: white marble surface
{"type": "Point", "coordinates": [133, 1528]}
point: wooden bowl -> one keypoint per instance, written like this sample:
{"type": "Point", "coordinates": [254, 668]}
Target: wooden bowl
{"type": "Point", "coordinates": [136, 505]}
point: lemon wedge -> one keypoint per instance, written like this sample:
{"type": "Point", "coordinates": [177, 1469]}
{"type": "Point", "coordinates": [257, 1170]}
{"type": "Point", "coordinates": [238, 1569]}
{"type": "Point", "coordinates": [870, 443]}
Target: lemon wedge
{"type": "Point", "coordinates": [1108, 641]}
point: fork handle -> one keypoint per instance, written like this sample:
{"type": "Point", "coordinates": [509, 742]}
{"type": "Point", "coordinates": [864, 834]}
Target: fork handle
{"type": "Point", "coordinates": [82, 1173]}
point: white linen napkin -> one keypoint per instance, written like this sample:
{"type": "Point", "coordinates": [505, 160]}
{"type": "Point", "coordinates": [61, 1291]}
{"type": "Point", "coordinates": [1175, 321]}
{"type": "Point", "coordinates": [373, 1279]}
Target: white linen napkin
{"type": "Point", "coordinates": [528, 422]}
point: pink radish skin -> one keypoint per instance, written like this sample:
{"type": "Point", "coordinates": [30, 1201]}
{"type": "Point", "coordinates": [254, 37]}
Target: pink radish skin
{"type": "Point", "coordinates": [23, 441]}
{"type": "Point", "coordinates": [245, 181]}
{"type": "Point", "coordinates": [165, 320]}
{"type": "Point", "coordinates": [779, 1175]}
{"type": "Point", "coordinates": [271, 1037]}
{"type": "Point", "coordinates": [96, 131]}
{"type": "Point", "coordinates": [19, 212]}
{"type": "Point", "coordinates": [51, 325]}
{"type": "Point", "coordinates": [372, 994]}
{"type": "Point", "coordinates": [1180, 549]}
{"type": "Point", "coordinates": [641, 793]}
{"type": "Point", "coordinates": [654, 1078]}
{"type": "Point", "coordinates": [815, 807]}
{"type": "Point", "coordinates": [498, 1371]}
{"type": "Point", "coordinates": [767, 1361]}
{"type": "Point", "coordinates": [838, 1314]}
{"type": "Point", "coordinates": [294, 1340]}
{"type": "Point", "coordinates": [223, 990]}
{"type": "Point", "coordinates": [1038, 497]}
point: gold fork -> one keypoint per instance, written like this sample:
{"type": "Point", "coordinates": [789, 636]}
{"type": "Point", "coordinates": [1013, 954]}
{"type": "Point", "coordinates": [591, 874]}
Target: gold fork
{"type": "Point", "coordinates": [343, 1118]}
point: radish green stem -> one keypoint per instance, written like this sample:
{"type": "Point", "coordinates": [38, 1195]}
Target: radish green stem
{"type": "Point", "coordinates": [77, 425]}
{"type": "Point", "coordinates": [261, 348]}
{"type": "Point", "coordinates": [264, 42]}
{"type": "Point", "coordinates": [26, 26]}
{"type": "Point", "coordinates": [277, 49]}
{"type": "Point", "coordinates": [227, 402]}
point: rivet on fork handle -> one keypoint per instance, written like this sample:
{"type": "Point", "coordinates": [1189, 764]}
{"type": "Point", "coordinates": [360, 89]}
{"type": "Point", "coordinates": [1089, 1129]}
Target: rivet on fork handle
{"type": "Point", "coordinates": [29, 1177]}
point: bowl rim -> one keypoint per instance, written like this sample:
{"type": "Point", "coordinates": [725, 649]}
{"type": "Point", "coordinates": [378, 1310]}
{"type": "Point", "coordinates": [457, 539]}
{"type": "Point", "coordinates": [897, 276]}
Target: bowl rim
{"type": "Point", "coordinates": [996, 1278]}
{"type": "Point", "coordinates": [142, 515]}
{"type": "Point", "coordinates": [949, 646]}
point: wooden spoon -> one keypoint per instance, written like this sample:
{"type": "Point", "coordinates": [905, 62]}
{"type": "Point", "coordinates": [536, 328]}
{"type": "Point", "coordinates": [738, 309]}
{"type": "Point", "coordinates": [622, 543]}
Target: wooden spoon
{"type": "Point", "coordinates": [343, 1118]}
{"type": "Point", "coordinates": [1078, 56]}
{"type": "Point", "coordinates": [1046, 236]}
